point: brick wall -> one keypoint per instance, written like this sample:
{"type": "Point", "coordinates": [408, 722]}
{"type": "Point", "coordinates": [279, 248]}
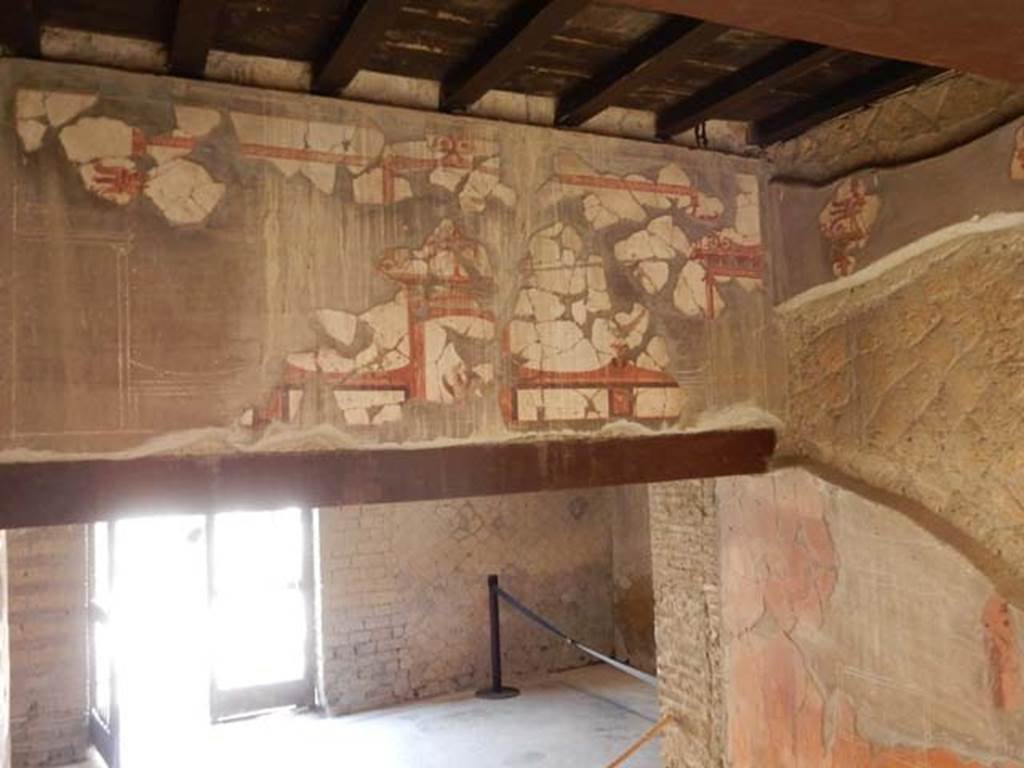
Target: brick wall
{"type": "Point", "coordinates": [48, 626]}
{"type": "Point", "coordinates": [5, 667]}
{"type": "Point", "coordinates": [684, 545]}
{"type": "Point", "coordinates": [403, 592]}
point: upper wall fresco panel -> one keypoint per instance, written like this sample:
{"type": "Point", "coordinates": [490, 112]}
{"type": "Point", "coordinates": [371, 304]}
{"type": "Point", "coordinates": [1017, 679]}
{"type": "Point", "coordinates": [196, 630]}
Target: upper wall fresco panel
{"type": "Point", "coordinates": [835, 230]}
{"type": "Point", "coordinates": [190, 256]}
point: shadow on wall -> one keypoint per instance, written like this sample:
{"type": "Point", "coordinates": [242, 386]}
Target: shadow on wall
{"type": "Point", "coordinates": [854, 639]}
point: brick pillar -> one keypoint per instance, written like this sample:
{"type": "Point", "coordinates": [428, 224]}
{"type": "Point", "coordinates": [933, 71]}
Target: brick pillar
{"type": "Point", "coordinates": [684, 544]}
{"type": "Point", "coordinates": [5, 662]}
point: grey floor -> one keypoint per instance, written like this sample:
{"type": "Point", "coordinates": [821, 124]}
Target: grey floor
{"type": "Point", "coordinates": [578, 719]}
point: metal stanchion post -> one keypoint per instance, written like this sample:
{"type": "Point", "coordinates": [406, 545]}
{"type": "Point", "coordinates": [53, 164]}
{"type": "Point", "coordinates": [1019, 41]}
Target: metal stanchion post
{"type": "Point", "coordinates": [497, 690]}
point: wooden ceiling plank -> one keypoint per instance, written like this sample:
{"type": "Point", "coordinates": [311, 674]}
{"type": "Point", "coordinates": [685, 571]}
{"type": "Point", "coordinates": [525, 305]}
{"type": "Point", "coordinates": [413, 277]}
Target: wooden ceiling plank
{"type": "Point", "coordinates": [19, 28]}
{"type": "Point", "coordinates": [527, 28]}
{"type": "Point", "coordinates": [195, 29]}
{"type": "Point", "coordinates": [786, 64]}
{"type": "Point", "coordinates": [644, 63]}
{"type": "Point", "coordinates": [362, 28]}
{"type": "Point", "coordinates": [66, 492]}
{"type": "Point", "coordinates": [881, 81]}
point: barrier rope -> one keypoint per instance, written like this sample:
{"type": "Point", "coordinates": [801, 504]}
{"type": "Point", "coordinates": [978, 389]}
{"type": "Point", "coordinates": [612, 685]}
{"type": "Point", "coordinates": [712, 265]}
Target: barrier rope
{"type": "Point", "coordinates": [540, 620]}
{"type": "Point", "coordinates": [649, 734]}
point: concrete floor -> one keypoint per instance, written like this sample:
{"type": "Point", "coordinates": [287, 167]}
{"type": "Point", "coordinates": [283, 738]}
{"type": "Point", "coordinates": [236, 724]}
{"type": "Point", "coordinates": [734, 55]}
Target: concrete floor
{"type": "Point", "coordinates": [582, 719]}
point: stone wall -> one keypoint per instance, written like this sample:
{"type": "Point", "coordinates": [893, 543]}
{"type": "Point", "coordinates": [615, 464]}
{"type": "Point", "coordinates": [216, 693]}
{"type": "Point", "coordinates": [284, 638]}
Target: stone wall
{"type": "Point", "coordinates": [404, 596]}
{"type": "Point", "coordinates": [48, 647]}
{"type": "Point", "coordinates": [684, 543]}
{"type": "Point", "coordinates": [633, 596]}
{"type": "Point", "coordinates": [853, 637]}
{"type": "Point", "coordinates": [208, 268]}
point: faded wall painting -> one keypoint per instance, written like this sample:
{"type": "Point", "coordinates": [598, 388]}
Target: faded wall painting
{"type": "Point", "coordinates": [854, 639]}
{"type": "Point", "coordinates": [274, 266]}
{"type": "Point", "coordinates": [836, 229]}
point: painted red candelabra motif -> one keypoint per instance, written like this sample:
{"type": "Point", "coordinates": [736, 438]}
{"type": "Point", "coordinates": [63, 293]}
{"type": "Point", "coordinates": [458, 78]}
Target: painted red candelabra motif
{"type": "Point", "coordinates": [847, 221]}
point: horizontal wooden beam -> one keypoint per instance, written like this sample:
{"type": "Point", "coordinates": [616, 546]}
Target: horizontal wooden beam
{"type": "Point", "coordinates": [19, 28]}
{"type": "Point", "coordinates": [645, 62]}
{"type": "Point", "coordinates": [883, 80]}
{"type": "Point", "coordinates": [527, 28]}
{"type": "Point", "coordinates": [65, 492]}
{"type": "Point", "coordinates": [361, 29]}
{"type": "Point", "coordinates": [981, 36]}
{"type": "Point", "coordinates": [195, 29]}
{"type": "Point", "coordinates": [740, 87]}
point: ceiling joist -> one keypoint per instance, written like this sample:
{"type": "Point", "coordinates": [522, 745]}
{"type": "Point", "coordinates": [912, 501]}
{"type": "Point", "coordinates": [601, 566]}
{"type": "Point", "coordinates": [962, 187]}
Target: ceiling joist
{"type": "Point", "coordinates": [885, 79]}
{"type": "Point", "coordinates": [362, 27]}
{"type": "Point", "coordinates": [526, 29]}
{"type": "Point", "coordinates": [19, 28]}
{"type": "Point", "coordinates": [646, 62]}
{"type": "Point", "coordinates": [786, 64]}
{"type": "Point", "coordinates": [194, 31]}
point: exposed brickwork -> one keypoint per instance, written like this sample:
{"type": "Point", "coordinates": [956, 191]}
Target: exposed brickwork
{"type": "Point", "coordinates": [48, 626]}
{"type": "Point", "coordinates": [403, 591]}
{"type": "Point", "coordinates": [911, 383]}
{"type": "Point", "coordinates": [684, 536]}
{"type": "Point", "coordinates": [5, 666]}
{"type": "Point", "coordinates": [923, 121]}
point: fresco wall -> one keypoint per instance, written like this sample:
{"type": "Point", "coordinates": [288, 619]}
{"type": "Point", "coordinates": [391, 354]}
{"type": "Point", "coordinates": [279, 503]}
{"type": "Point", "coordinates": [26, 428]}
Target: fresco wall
{"type": "Point", "coordinates": [854, 639]}
{"type": "Point", "coordinates": [186, 256]}
{"type": "Point", "coordinates": [838, 229]}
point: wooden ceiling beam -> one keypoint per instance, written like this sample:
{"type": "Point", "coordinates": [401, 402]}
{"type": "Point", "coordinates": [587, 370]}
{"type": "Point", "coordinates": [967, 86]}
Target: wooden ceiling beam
{"type": "Point", "coordinates": [885, 79]}
{"type": "Point", "coordinates": [646, 62]}
{"type": "Point", "coordinates": [527, 28]}
{"type": "Point", "coordinates": [66, 492]}
{"type": "Point", "coordinates": [982, 36]}
{"type": "Point", "coordinates": [195, 29]}
{"type": "Point", "coordinates": [19, 28]}
{"type": "Point", "coordinates": [786, 64]}
{"type": "Point", "coordinates": [362, 28]}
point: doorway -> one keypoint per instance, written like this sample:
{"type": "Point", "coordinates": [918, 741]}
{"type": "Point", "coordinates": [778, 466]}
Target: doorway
{"type": "Point", "coordinates": [196, 620]}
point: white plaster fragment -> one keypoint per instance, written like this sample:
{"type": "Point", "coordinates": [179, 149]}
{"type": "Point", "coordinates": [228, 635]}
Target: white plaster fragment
{"type": "Point", "coordinates": [691, 293]}
{"type": "Point", "coordinates": [31, 133]}
{"type": "Point", "coordinates": [562, 404]}
{"type": "Point", "coordinates": [338, 324]}
{"type": "Point", "coordinates": [91, 138]}
{"type": "Point", "coordinates": [657, 402]}
{"type": "Point", "coordinates": [64, 107]}
{"type": "Point", "coordinates": [196, 121]}
{"type": "Point", "coordinates": [29, 104]}
{"type": "Point", "coordinates": [183, 191]}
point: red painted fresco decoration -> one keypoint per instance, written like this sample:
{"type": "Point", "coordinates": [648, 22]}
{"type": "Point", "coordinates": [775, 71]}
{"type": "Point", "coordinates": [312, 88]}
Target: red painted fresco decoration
{"type": "Point", "coordinates": [1006, 670]}
{"type": "Point", "coordinates": [847, 221]}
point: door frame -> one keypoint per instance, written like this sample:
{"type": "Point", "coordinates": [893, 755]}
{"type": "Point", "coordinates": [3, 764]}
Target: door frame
{"type": "Point", "coordinates": [104, 732]}
{"type": "Point", "coordinates": [230, 704]}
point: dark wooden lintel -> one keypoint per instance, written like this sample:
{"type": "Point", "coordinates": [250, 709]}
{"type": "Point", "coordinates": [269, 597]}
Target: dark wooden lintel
{"type": "Point", "coordinates": [785, 64]}
{"type": "Point", "coordinates": [195, 29]}
{"type": "Point", "coordinates": [885, 79]}
{"type": "Point", "coordinates": [645, 62]}
{"type": "Point", "coordinates": [65, 492]}
{"type": "Point", "coordinates": [528, 26]}
{"type": "Point", "coordinates": [361, 28]}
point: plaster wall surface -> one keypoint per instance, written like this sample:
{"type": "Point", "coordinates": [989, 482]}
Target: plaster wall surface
{"type": "Point", "coordinates": [48, 648]}
{"type": "Point", "coordinates": [404, 592]}
{"type": "Point", "coordinates": [852, 637]}
{"type": "Point", "coordinates": [206, 268]}
{"type": "Point", "coordinates": [632, 578]}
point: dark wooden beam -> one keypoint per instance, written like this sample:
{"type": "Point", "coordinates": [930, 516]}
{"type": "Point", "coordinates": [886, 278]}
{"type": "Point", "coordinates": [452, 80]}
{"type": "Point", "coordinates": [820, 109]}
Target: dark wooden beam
{"type": "Point", "coordinates": [527, 27]}
{"type": "Point", "coordinates": [883, 80]}
{"type": "Point", "coordinates": [647, 61]}
{"type": "Point", "coordinates": [788, 63]}
{"type": "Point", "coordinates": [980, 36]}
{"type": "Point", "coordinates": [362, 27]}
{"type": "Point", "coordinates": [194, 31]}
{"type": "Point", "coordinates": [63, 492]}
{"type": "Point", "coordinates": [19, 28]}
